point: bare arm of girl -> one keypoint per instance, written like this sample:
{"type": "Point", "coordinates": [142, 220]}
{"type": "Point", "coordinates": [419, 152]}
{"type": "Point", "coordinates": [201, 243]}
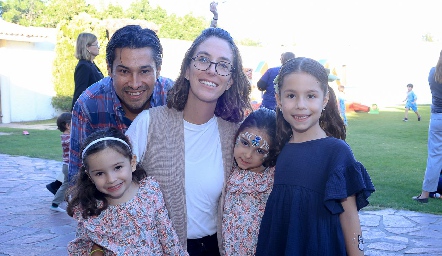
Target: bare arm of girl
{"type": "Point", "coordinates": [351, 227]}
{"type": "Point", "coordinates": [96, 251]}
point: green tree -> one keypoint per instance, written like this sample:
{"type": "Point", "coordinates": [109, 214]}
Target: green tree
{"type": "Point", "coordinates": [428, 37]}
{"type": "Point", "coordinates": [65, 61]}
{"type": "Point", "coordinates": [111, 11]}
{"type": "Point", "coordinates": [184, 28]}
{"type": "Point", "coordinates": [171, 26]}
{"type": "Point", "coordinates": [23, 12]}
{"type": "Point", "coordinates": [139, 10]}
{"type": "Point", "coordinates": [249, 42]}
{"type": "Point", "coordinates": [59, 10]}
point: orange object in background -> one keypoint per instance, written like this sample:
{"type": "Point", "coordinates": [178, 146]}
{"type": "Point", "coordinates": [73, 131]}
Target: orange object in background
{"type": "Point", "coordinates": [357, 107]}
{"type": "Point", "coordinates": [255, 105]}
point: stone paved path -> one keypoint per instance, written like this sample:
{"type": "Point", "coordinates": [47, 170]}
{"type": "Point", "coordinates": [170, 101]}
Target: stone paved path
{"type": "Point", "coordinates": [28, 227]}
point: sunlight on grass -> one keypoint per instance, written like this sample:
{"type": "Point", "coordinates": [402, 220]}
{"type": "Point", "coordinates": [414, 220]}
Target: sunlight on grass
{"type": "Point", "coordinates": [39, 143]}
{"type": "Point", "coordinates": [397, 109]}
{"type": "Point", "coordinates": [48, 121]}
{"type": "Point", "coordinates": [394, 153]}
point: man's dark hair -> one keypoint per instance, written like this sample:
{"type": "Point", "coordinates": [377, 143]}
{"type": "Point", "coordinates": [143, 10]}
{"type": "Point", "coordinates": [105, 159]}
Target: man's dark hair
{"type": "Point", "coordinates": [134, 37]}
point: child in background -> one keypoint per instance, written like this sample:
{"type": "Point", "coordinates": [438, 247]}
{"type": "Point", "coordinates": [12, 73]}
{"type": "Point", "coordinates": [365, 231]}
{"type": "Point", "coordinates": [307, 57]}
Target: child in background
{"type": "Point", "coordinates": [250, 183]}
{"type": "Point", "coordinates": [64, 125]}
{"type": "Point", "coordinates": [411, 103]}
{"type": "Point", "coordinates": [56, 184]}
{"type": "Point", "coordinates": [119, 210]}
{"type": "Point", "coordinates": [341, 101]}
{"type": "Point", "coordinates": [319, 186]}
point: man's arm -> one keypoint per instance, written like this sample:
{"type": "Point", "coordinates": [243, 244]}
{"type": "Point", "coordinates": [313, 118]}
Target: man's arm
{"type": "Point", "coordinates": [262, 83]}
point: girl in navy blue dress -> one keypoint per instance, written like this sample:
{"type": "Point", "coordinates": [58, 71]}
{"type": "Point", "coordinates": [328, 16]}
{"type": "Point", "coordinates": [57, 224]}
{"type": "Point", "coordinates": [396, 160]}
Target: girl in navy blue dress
{"type": "Point", "coordinates": [319, 186]}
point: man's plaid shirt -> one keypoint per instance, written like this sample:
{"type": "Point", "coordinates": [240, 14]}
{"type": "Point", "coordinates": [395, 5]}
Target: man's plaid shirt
{"type": "Point", "coordinates": [98, 107]}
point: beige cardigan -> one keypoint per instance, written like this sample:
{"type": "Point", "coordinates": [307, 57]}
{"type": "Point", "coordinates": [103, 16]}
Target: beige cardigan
{"type": "Point", "coordinates": [164, 160]}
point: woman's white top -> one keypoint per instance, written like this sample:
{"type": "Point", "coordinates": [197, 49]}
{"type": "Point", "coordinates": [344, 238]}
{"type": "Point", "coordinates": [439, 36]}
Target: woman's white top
{"type": "Point", "coordinates": [204, 171]}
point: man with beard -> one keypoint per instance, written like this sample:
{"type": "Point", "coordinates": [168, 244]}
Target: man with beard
{"type": "Point", "coordinates": [134, 58]}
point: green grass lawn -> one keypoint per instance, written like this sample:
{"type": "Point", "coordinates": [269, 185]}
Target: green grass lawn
{"type": "Point", "coordinates": [39, 143]}
{"type": "Point", "coordinates": [394, 153]}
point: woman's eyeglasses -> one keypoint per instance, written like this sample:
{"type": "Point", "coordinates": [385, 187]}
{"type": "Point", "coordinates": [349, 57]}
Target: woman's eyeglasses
{"type": "Point", "coordinates": [203, 63]}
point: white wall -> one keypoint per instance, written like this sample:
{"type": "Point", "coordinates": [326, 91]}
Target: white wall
{"type": "Point", "coordinates": [26, 81]}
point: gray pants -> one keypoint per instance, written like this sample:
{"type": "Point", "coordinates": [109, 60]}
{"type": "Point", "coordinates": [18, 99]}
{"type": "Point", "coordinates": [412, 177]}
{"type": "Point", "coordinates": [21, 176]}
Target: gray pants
{"type": "Point", "coordinates": [434, 160]}
{"type": "Point", "coordinates": [60, 195]}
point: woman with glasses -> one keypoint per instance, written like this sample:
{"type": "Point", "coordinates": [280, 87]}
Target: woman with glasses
{"type": "Point", "coordinates": [86, 72]}
{"type": "Point", "coordinates": [188, 144]}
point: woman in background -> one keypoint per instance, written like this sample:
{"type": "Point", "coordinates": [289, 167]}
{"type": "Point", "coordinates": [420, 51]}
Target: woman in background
{"type": "Point", "coordinates": [86, 72]}
{"type": "Point", "coordinates": [434, 160]}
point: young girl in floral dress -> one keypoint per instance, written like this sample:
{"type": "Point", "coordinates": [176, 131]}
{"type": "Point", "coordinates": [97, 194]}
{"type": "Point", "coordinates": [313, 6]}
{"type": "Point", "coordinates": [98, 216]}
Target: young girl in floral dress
{"type": "Point", "coordinates": [250, 183]}
{"type": "Point", "coordinates": [119, 210]}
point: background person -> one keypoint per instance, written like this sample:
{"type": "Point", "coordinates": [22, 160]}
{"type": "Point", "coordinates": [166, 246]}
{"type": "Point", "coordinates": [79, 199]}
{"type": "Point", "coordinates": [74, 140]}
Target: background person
{"type": "Point", "coordinates": [86, 72]}
{"type": "Point", "coordinates": [187, 145]}
{"type": "Point", "coordinates": [64, 126]}
{"type": "Point", "coordinates": [411, 103]}
{"type": "Point", "coordinates": [434, 159]}
{"type": "Point", "coordinates": [341, 103]}
{"type": "Point", "coordinates": [134, 58]}
{"type": "Point", "coordinates": [266, 82]}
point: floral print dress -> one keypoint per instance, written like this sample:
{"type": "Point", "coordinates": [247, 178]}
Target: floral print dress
{"type": "Point", "coordinates": [245, 201]}
{"type": "Point", "coordinates": [140, 226]}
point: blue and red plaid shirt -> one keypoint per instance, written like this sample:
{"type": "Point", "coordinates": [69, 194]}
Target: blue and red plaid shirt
{"type": "Point", "coordinates": [98, 107]}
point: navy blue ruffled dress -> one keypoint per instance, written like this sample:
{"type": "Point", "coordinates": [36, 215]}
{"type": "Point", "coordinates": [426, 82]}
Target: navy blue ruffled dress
{"type": "Point", "coordinates": [302, 212]}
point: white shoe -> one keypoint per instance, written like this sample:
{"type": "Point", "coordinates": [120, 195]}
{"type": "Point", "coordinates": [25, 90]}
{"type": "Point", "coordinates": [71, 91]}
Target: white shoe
{"type": "Point", "coordinates": [57, 209]}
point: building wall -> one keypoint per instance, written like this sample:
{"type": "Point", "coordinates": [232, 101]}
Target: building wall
{"type": "Point", "coordinates": [26, 80]}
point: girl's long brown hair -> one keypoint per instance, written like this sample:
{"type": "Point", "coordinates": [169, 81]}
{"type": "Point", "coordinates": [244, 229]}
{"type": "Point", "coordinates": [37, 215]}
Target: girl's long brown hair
{"type": "Point", "coordinates": [330, 120]}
